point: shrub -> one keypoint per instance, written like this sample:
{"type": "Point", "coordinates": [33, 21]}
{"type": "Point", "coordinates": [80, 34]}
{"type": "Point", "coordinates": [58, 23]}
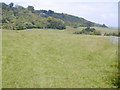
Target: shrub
{"type": "Point", "coordinates": [97, 32]}
{"type": "Point", "coordinates": [111, 34]}
{"type": "Point", "coordinates": [88, 31]}
{"type": "Point", "coordinates": [55, 24]}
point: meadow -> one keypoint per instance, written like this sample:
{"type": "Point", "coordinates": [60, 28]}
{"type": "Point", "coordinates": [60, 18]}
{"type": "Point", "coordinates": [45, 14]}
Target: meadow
{"type": "Point", "coordinates": [0, 59]}
{"type": "Point", "coordinates": [57, 59]}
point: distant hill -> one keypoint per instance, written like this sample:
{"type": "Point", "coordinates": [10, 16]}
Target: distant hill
{"type": "Point", "coordinates": [69, 20]}
{"type": "Point", "coordinates": [18, 18]}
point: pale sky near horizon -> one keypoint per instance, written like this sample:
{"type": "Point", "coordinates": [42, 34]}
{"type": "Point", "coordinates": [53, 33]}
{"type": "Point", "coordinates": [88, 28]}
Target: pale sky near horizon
{"type": "Point", "coordinates": [99, 11]}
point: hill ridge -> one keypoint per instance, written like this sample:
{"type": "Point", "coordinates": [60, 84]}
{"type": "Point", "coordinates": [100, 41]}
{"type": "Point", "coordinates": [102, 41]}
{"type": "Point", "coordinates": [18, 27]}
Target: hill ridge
{"type": "Point", "coordinates": [18, 18]}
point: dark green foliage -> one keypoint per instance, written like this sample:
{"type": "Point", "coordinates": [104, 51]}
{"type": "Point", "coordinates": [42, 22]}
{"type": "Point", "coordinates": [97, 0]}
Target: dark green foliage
{"type": "Point", "coordinates": [89, 24]}
{"type": "Point", "coordinates": [112, 34]}
{"type": "Point", "coordinates": [50, 12]}
{"type": "Point", "coordinates": [42, 11]}
{"type": "Point", "coordinates": [77, 32]}
{"type": "Point", "coordinates": [104, 26]}
{"type": "Point", "coordinates": [55, 24]}
{"type": "Point", "coordinates": [3, 6]}
{"type": "Point", "coordinates": [69, 20]}
{"type": "Point", "coordinates": [31, 8]}
{"type": "Point", "coordinates": [11, 5]}
{"type": "Point", "coordinates": [18, 18]}
{"type": "Point", "coordinates": [88, 31]}
{"type": "Point", "coordinates": [97, 32]}
{"type": "Point", "coordinates": [116, 80]}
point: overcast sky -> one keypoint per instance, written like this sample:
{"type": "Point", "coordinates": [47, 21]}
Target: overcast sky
{"type": "Point", "coordinates": [99, 11]}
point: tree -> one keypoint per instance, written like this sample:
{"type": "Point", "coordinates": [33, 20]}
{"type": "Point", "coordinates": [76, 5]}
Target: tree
{"type": "Point", "coordinates": [3, 6]}
{"type": "Point", "coordinates": [11, 5]}
{"type": "Point", "coordinates": [50, 12]}
{"type": "Point", "coordinates": [31, 8]}
{"type": "Point", "coordinates": [89, 24]}
{"type": "Point", "coordinates": [55, 24]}
{"type": "Point", "coordinates": [104, 25]}
{"type": "Point", "coordinates": [43, 11]}
{"type": "Point", "coordinates": [88, 29]}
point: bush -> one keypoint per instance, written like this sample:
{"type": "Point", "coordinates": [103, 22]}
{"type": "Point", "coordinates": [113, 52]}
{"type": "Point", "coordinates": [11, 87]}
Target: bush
{"type": "Point", "coordinates": [88, 31]}
{"type": "Point", "coordinates": [55, 24]}
{"type": "Point", "coordinates": [97, 32]}
{"type": "Point", "coordinates": [77, 32]}
{"type": "Point", "coordinates": [111, 34]}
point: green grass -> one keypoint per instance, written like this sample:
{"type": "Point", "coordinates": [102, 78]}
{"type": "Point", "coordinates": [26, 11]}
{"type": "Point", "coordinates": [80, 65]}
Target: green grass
{"type": "Point", "coordinates": [102, 30]}
{"type": "Point", "coordinates": [106, 30]}
{"type": "Point", "coordinates": [0, 59]}
{"type": "Point", "coordinates": [57, 59]}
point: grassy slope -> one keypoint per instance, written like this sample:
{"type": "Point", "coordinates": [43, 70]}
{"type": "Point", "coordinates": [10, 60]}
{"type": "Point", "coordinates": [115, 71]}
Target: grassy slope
{"type": "Point", "coordinates": [49, 58]}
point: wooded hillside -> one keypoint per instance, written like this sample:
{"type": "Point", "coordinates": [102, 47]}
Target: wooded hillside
{"type": "Point", "coordinates": [18, 18]}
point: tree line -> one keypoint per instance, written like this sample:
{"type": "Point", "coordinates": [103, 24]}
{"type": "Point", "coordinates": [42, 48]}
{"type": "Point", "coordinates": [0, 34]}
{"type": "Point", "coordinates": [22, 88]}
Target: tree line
{"type": "Point", "coordinates": [19, 18]}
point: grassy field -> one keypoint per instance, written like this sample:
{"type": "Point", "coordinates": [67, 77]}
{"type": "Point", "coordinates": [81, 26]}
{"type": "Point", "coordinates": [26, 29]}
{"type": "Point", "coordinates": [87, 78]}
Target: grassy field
{"type": "Point", "coordinates": [0, 59]}
{"type": "Point", "coordinates": [57, 59]}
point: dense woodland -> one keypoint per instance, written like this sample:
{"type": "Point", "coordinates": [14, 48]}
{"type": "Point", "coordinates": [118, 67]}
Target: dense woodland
{"type": "Point", "coordinates": [16, 17]}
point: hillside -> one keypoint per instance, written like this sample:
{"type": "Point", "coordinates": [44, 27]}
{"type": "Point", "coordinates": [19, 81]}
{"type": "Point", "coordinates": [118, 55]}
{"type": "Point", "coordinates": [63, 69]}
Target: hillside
{"type": "Point", "coordinates": [69, 20]}
{"type": "Point", "coordinates": [18, 18]}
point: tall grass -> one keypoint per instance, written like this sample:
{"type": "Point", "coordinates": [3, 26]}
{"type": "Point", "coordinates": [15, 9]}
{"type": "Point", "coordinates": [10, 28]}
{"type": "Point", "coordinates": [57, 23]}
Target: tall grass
{"type": "Point", "coordinates": [0, 59]}
{"type": "Point", "coordinates": [57, 59]}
